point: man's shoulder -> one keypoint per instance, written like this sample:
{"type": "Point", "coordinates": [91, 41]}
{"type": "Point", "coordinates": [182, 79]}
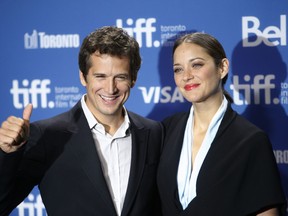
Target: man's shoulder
{"type": "Point", "coordinates": [53, 120]}
{"type": "Point", "coordinates": [138, 119]}
{"type": "Point", "coordinates": [59, 121]}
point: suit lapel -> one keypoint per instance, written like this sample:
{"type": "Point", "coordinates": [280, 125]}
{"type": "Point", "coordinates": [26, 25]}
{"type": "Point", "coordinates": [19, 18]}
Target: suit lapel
{"type": "Point", "coordinates": [139, 149]}
{"type": "Point", "coordinates": [84, 147]}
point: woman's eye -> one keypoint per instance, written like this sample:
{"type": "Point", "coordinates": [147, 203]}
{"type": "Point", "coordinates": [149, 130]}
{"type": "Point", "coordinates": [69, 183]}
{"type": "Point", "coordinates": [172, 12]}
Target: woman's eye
{"type": "Point", "coordinates": [197, 65]}
{"type": "Point", "coordinates": [177, 70]}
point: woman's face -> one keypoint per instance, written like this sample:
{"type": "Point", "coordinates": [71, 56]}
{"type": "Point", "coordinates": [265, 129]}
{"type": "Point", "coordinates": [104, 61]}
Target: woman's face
{"type": "Point", "coordinates": [196, 74]}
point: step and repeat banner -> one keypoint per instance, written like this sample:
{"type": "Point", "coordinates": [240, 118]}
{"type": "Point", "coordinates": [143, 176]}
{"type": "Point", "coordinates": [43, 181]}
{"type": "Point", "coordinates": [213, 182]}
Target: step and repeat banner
{"type": "Point", "coordinates": [40, 40]}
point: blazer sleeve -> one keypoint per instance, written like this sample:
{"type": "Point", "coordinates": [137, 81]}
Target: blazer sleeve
{"type": "Point", "coordinates": [17, 174]}
{"type": "Point", "coordinates": [262, 177]}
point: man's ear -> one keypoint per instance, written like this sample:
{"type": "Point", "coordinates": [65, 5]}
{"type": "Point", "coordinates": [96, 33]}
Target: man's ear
{"type": "Point", "coordinates": [82, 78]}
{"type": "Point", "coordinates": [133, 83]}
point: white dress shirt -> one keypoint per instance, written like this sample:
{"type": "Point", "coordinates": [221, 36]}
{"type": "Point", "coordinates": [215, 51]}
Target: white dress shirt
{"type": "Point", "coordinates": [114, 153]}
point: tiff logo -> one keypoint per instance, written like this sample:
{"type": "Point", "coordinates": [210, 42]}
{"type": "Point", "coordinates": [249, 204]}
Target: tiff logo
{"type": "Point", "coordinates": [139, 29]}
{"type": "Point", "coordinates": [34, 206]}
{"type": "Point", "coordinates": [260, 84]}
{"type": "Point", "coordinates": [34, 92]}
{"type": "Point", "coordinates": [31, 41]}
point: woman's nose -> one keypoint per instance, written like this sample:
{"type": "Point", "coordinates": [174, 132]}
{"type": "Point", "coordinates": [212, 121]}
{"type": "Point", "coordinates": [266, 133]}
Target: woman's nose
{"type": "Point", "coordinates": [187, 75]}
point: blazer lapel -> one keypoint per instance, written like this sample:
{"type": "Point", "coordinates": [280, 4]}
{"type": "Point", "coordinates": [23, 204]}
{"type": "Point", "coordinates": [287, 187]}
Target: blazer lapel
{"type": "Point", "coordinates": [179, 136]}
{"type": "Point", "coordinates": [172, 150]}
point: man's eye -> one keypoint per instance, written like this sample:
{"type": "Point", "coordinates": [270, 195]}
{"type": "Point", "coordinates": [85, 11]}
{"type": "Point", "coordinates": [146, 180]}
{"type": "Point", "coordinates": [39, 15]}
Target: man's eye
{"type": "Point", "coordinates": [99, 76]}
{"type": "Point", "coordinates": [122, 77]}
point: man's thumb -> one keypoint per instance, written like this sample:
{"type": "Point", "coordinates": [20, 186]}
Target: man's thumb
{"type": "Point", "coordinates": [27, 112]}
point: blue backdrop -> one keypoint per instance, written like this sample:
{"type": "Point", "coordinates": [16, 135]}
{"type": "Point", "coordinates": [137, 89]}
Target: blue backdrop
{"type": "Point", "coordinates": [40, 40]}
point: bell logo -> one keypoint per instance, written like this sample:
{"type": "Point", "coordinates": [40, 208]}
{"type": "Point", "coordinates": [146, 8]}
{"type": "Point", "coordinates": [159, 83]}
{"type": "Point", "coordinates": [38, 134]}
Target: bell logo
{"type": "Point", "coordinates": [31, 92]}
{"type": "Point", "coordinates": [270, 36]}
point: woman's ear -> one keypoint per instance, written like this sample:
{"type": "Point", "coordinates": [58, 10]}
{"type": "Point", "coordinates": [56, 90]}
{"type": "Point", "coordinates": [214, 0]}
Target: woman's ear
{"type": "Point", "coordinates": [224, 67]}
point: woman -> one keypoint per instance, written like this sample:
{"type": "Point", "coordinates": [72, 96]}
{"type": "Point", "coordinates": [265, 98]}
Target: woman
{"type": "Point", "coordinates": [214, 162]}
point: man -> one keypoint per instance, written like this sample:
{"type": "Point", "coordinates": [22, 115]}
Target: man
{"type": "Point", "coordinates": [97, 158]}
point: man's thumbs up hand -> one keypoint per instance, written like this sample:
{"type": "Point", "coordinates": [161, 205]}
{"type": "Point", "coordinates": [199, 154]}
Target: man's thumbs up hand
{"type": "Point", "coordinates": [14, 131]}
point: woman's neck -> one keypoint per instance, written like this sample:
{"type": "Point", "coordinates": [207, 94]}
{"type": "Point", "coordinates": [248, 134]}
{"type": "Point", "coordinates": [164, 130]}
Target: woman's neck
{"type": "Point", "coordinates": [205, 111]}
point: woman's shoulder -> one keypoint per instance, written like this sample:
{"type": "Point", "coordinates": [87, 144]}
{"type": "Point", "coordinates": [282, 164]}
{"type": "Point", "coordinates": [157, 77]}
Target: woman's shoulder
{"type": "Point", "coordinates": [176, 118]}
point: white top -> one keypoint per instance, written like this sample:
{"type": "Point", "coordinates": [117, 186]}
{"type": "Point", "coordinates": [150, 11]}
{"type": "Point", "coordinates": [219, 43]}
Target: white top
{"type": "Point", "coordinates": [187, 175]}
{"type": "Point", "coordinates": [114, 153]}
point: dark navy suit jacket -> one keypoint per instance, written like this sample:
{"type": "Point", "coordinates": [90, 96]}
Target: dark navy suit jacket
{"type": "Point", "coordinates": [61, 158]}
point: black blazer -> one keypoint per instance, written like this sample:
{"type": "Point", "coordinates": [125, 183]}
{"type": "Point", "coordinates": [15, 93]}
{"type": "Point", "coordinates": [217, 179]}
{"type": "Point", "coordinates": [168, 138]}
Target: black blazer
{"type": "Point", "coordinates": [238, 177]}
{"type": "Point", "coordinates": [61, 158]}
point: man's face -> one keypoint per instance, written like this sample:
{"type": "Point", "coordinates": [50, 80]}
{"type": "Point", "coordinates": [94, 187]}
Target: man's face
{"type": "Point", "coordinates": [108, 84]}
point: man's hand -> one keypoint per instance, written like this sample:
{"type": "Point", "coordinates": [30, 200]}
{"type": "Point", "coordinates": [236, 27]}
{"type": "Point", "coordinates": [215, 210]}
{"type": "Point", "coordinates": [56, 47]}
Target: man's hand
{"type": "Point", "coordinates": [14, 131]}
